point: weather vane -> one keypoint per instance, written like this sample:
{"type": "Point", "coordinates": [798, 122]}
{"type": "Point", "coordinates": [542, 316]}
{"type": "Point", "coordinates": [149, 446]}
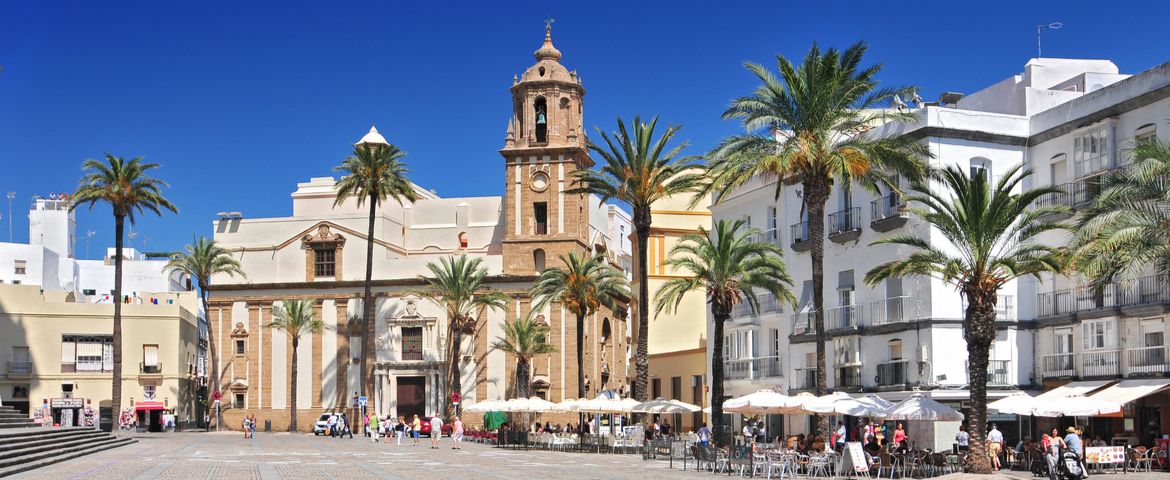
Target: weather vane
{"type": "Point", "coordinates": [548, 24]}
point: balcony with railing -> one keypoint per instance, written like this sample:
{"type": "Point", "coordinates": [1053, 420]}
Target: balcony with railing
{"type": "Point", "coordinates": [1060, 197]}
{"type": "Point", "coordinates": [1101, 363]}
{"type": "Point", "coordinates": [1058, 365]}
{"type": "Point", "coordinates": [842, 318]}
{"type": "Point", "coordinates": [893, 373]}
{"type": "Point", "coordinates": [999, 373]}
{"type": "Point", "coordinates": [802, 323]}
{"type": "Point", "coordinates": [18, 367]}
{"type": "Point", "coordinates": [1146, 361]}
{"type": "Point", "coordinates": [1148, 290]}
{"type": "Point", "coordinates": [149, 369]}
{"type": "Point", "coordinates": [805, 381]}
{"type": "Point", "coordinates": [844, 225]}
{"type": "Point", "coordinates": [848, 377]}
{"type": "Point", "coordinates": [890, 310]}
{"type": "Point", "coordinates": [753, 368]}
{"type": "Point", "coordinates": [767, 303]}
{"type": "Point", "coordinates": [771, 235]}
{"type": "Point", "coordinates": [1005, 307]}
{"type": "Point", "coordinates": [887, 213]}
{"type": "Point", "coordinates": [87, 366]}
{"type": "Point", "coordinates": [800, 237]}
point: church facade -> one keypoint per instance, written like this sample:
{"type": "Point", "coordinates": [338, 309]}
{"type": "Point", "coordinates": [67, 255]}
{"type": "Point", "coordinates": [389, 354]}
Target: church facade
{"type": "Point", "coordinates": [319, 253]}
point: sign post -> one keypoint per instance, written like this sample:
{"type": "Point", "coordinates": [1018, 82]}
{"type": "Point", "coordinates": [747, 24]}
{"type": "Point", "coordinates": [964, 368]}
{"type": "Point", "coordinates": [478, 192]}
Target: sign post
{"type": "Point", "coordinates": [455, 399]}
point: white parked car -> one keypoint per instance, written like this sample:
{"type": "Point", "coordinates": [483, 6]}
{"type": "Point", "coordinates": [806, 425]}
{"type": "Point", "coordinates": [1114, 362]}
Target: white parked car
{"type": "Point", "coordinates": [322, 423]}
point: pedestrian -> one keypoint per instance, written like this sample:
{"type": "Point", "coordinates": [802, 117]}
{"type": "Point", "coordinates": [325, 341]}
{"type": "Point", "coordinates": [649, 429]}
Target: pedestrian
{"type": "Point", "coordinates": [345, 430]}
{"type": "Point", "coordinates": [372, 428]}
{"type": "Point", "coordinates": [840, 437]}
{"type": "Point", "coordinates": [331, 426]}
{"type": "Point", "coordinates": [994, 446]}
{"type": "Point", "coordinates": [963, 439]}
{"type": "Point", "coordinates": [1054, 446]}
{"type": "Point", "coordinates": [436, 430]}
{"type": "Point", "coordinates": [415, 429]}
{"type": "Point", "coordinates": [399, 430]}
{"type": "Point", "coordinates": [457, 434]}
{"type": "Point", "coordinates": [704, 436]}
{"type": "Point", "coordinates": [244, 426]}
{"type": "Point", "coordinates": [1075, 445]}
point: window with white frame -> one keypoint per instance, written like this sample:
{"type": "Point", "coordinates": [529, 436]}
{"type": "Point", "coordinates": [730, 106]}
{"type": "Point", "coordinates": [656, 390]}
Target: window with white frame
{"type": "Point", "coordinates": [21, 267]}
{"type": "Point", "coordinates": [773, 233]}
{"type": "Point", "coordinates": [775, 334]}
{"type": "Point", "coordinates": [1099, 334]}
{"type": "Point", "coordinates": [845, 350]}
{"type": "Point", "coordinates": [895, 348]}
{"type": "Point", "coordinates": [1153, 333]}
{"type": "Point", "coordinates": [1062, 340]}
{"type": "Point", "coordinates": [980, 164]}
{"type": "Point", "coordinates": [1145, 133]}
{"type": "Point", "coordinates": [1091, 151]}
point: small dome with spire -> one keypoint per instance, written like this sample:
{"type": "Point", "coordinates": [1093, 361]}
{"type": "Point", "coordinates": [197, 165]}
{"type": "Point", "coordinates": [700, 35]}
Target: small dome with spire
{"type": "Point", "coordinates": [548, 66]}
{"type": "Point", "coordinates": [547, 51]}
{"type": "Point", "coordinates": [372, 137]}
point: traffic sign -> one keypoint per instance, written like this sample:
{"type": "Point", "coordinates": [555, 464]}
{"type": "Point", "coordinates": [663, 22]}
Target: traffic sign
{"type": "Point", "coordinates": [217, 395]}
{"type": "Point", "coordinates": [456, 397]}
{"type": "Point", "coordinates": [363, 401]}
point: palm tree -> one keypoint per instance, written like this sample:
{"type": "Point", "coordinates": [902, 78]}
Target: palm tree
{"type": "Point", "coordinates": [640, 170]}
{"type": "Point", "coordinates": [458, 284]}
{"type": "Point", "coordinates": [583, 285]}
{"type": "Point", "coordinates": [129, 189]}
{"type": "Point", "coordinates": [373, 174]}
{"type": "Point", "coordinates": [808, 124]}
{"type": "Point", "coordinates": [987, 238]}
{"type": "Point", "coordinates": [203, 259]}
{"type": "Point", "coordinates": [730, 267]}
{"type": "Point", "coordinates": [1126, 232]}
{"type": "Point", "coordinates": [295, 318]}
{"type": "Point", "coordinates": [525, 338]}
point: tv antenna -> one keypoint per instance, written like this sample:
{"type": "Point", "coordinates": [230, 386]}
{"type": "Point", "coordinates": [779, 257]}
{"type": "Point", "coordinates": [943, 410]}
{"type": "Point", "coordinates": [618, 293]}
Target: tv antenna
{"type": "Point", "coordinates": [88, 235]}
{"type": "Point", "coordinates": [1039, 29]}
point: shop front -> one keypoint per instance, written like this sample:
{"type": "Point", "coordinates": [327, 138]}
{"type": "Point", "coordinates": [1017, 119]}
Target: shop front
{"type": "Point", "coordinates": [68, 412]}
{"type": "Point", "coordinates": [150, 416]}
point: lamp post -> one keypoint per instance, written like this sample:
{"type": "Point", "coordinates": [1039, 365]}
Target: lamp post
{"type": "Point", "coordinates": [11, 195]}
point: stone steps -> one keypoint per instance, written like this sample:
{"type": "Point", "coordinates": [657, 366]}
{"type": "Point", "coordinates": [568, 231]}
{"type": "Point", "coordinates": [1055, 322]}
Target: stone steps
{"type": "Point", "coordinates": [25, 449]}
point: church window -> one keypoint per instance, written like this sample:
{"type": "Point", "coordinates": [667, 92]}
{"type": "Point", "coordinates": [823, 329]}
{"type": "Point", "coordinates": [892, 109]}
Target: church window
{"type": "Point", "coordinates": [541, 71]}
{"type": "Point", "coordinates": [540, 212]}
{"type": "Point", "coordinates": [324, 264]}
{"type": "Point", "coordinates": [538, 259]}
{"type": "Point", "coordinates": [412, 343]}
{"type": "Point", "coordinates": [541, 109]}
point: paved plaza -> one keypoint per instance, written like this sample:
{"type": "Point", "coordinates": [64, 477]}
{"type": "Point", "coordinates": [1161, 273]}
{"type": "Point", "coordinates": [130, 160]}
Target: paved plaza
{"type": "Point", "coordinates": [191, 456]}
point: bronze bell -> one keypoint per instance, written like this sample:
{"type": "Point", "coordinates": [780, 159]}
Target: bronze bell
{"type": "Point", "coordinates": [540, 118]}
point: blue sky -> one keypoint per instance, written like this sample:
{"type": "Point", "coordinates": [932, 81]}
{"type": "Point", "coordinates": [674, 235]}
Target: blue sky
{"type": "Point", "coordinates": [241, 100]}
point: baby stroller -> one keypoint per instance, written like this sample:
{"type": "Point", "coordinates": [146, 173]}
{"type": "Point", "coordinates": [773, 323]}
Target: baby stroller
{"type": "Point", "coordinates": [1068, 466]}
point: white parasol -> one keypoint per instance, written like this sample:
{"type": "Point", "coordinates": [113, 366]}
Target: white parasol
{"type": "Point", "coordinates": [763, 402]}
{"type": "Point", "coordinates": [1075, 406]}
{"type": "Point", "coordinates": [661, 405]}
{"type": "Point", "coordinates": [921, 407]}
{"type": "Point", "coordinates": [842, 403]}
{"type": "Point", "coordinates": [486, 406]}
{"type": "Point", "coordinates": [530, 405]}
{"type": "Point", "coordinates": [1018, 403]}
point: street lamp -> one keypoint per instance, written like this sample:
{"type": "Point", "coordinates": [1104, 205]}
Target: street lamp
{"type": "Point", "coordinates": [11, 195]}
{"type": "Point", "coordinates": [1040, 28]}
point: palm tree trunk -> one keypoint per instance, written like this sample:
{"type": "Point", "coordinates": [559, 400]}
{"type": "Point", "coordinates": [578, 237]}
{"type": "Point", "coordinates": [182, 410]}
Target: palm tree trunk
{"type": "Point", "coordinates": [292, 394]}
{"type": "Point", "coordinates": [368, 327]}
{"type": "Point", "coordinates": [580, 362]}
{"type": "Point", "coordinates": [454, 370]}
{"type": "Point", "coordinates": [213, 373]}
{"type": "Point", "coordinates": [116, 390]}
{"type": "Point", "coordinates": [721, 315]}
{"type": "Point", "coordinates": [979, 330]}
{"type": "Point", "coordinates": [816, 195]}
{"type": "Point", "coordinates": [642, 359]}
{"type": "Point", "coordinates": [522, 380]}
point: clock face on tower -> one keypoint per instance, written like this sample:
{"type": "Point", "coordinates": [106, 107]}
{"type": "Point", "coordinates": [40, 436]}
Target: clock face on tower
{"type": "Point", "coordinates": [540, 181]}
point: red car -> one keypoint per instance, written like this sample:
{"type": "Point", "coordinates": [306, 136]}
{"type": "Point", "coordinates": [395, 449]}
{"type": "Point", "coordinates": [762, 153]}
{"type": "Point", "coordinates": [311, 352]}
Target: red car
{"type": "Point", "coordinates": [426, 428]}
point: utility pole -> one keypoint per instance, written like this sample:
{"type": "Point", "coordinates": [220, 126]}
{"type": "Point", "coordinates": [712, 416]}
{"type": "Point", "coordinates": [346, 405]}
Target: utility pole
{"type": "Point", "coordinates": [11, 195]}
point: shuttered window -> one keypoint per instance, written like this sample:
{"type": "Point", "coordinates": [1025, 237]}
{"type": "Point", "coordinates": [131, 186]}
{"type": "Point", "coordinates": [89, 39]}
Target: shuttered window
{"type": "Point", "coordinates": [150, 355]}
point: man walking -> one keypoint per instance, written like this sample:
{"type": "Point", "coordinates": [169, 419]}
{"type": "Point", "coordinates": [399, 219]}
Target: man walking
{"type": "Point", "coordinates": [373, 428]}
{"type": "Point", "coordinates": [994, 446]}
{"type": "Point", "coordinates": [436, 431]}
{"type": "Point", "coordinates": [840, 443]}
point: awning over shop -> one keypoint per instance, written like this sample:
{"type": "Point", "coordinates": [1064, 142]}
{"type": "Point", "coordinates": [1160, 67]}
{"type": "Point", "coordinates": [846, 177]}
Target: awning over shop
{"type": "Point", "coordinates": [149, 406]}
{"type": "Point", "coordinates": [1127, 391]}
{"type": "Point", "coordinates": [1072, 388]}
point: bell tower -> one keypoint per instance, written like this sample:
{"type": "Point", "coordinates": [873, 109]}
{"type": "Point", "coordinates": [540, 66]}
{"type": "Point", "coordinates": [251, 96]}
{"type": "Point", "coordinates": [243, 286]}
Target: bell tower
{"type": "Point", "coordinates": [544, 145]}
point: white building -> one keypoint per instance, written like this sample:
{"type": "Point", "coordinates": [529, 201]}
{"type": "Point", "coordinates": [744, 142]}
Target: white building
{"type": "Point", "coordinates": [1067, 120]}
{"type": "Point", "coordinates": [49, 260]}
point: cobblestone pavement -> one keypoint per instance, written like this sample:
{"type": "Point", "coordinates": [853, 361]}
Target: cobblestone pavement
{"type": "Point", "coordinates": [197, 456]}
{"type": "Point", "coordinates": [191, 456]}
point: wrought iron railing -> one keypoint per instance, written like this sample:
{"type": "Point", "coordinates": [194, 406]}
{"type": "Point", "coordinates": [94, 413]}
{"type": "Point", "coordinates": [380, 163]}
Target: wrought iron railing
{"type": "Point", "coordinates": [886, 207]}
{"type": "Point", "coordinates": [753, 368]}
{"type": "Point", "coordinates": [1101, 363]}
{"type": "Point", "coordinates": [892, 372]}
{"type": "Point", "coordinates": [800, 232]}
{"type": "Point", "coordinates": [1147, 361]}
{"type": "Point", "coordinates": [1057, 365]}
{"type": "Point", "coordinates": [890, 310]}
{"type": "Point", "coordinates": [842, 317]}
{"type": "Point", "coordinates": [845, 220]}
